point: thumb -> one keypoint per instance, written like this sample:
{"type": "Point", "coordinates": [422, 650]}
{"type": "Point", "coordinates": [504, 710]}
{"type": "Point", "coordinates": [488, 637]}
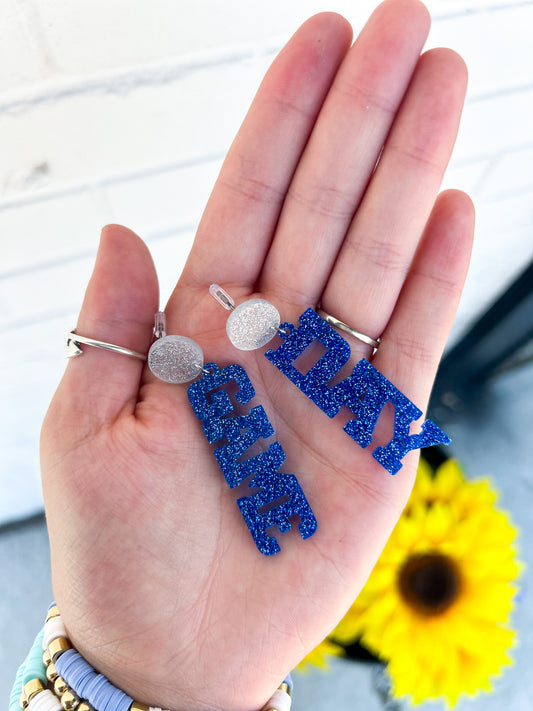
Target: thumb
{"type": "Point", "coordinates": [119, 306]}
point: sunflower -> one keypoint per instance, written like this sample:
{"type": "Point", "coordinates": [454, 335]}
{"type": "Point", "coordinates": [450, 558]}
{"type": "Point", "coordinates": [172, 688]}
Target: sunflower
{"type": "Point", "coordinates": [436, 606]}
{"type": "Point", "coordinates": [319, 656]}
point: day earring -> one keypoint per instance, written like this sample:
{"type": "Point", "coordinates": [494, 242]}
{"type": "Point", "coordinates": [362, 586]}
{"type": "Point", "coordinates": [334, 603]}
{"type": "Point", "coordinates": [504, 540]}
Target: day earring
{"type": "Point", "coordinates": [365, 392]}
{"type": "Point", "coordinates": [276, 496]}
{"type": "Point", "coordinates": [251, 324]}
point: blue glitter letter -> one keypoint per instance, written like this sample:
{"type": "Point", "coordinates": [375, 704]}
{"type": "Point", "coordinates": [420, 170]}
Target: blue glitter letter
{"type": "Point", "coordinates": [315, 382]}
{"type": "Point", "coordinates": [242, 432]}
{"type": "Point", "coordinates": [365, 393]}
{"type": "Point", "coordinates": [402, 442]}
{"type": "Point", "coordinates": [220, 404]}
{"type": "Point", "coordinates": [274, 488]}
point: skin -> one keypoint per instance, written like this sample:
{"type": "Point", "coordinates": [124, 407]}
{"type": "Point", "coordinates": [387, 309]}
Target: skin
{"type": "Point", "coordinates": [158, 580]}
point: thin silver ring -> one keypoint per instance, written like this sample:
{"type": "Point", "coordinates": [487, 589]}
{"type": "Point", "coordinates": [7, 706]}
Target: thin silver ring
{"type": "Point", "coordinates": [74, 340]}
{"type": "Point", "coordinates": [344, 327]}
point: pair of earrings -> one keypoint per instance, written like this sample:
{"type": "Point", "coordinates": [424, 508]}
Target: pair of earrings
{"type": "Point", "coordinates": [364, 392]}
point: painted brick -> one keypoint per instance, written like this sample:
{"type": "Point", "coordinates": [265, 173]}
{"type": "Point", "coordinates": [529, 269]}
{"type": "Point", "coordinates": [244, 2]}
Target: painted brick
{"type": "Point", "coordinates": [496, 45]}
{"type": "Point", "coordinates": [22, 56]}
{"type": "Point", "coordinates": [170, 254]}
{"type": "Point", "coordinates": [465, 176]}
{"type": "Point", "coordinates": [508, 174]}
{"type": "Point", "coordinates": [134, 33]}
{"type": "Point", "coordinates": [170, 200]}
{"type": "Point", "coordinates": [495, 124]}
{"type": "Point", "coordinates": [50, 230]}
{"type": "Point", "coordinates": [91, 138]}
{"type": "Point", "coordinates": [46, 293]}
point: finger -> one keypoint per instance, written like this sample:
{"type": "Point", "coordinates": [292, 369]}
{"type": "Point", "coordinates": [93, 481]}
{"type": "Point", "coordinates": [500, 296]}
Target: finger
{"type": "Point", "coordinates": [119, 306]}
{"type": "Point", "coordinates": [382, 240]}
{"type": "Point", "coordinates": [343, 150]}
{"type": "Point", "coordinates": [414, 339]}
{"type": "Point", "coordinates": [244, 207]}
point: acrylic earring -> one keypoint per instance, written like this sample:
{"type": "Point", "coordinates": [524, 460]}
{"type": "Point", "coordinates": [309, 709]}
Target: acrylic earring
{"type": "Point", "coordinates": [245, 451]}
{"type": "Point", "coordinates": [364, 392]}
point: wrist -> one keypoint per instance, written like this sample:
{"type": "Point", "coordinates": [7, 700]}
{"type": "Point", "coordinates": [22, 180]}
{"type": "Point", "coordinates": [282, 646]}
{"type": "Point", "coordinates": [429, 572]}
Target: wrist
{"type": "Point", "coordinates": [56, 677]}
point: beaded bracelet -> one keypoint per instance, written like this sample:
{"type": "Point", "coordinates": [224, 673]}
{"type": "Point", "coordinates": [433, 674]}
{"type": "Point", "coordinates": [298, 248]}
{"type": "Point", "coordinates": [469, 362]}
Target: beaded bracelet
{"type": "Point", "coordinates": [60, 679]}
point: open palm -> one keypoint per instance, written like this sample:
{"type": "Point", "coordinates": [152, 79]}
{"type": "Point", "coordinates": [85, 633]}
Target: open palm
{"type": "Point", "coordinates": [158, 579]}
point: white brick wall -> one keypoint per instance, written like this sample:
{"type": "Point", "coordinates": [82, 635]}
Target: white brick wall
{"type": "Point", "coordinates": [121, 110]}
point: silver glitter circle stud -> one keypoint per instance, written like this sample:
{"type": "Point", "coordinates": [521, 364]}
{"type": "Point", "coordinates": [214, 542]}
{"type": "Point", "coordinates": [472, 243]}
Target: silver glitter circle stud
{"type": "Point", "coordinates": [175, 359]}
{"type": "Point", "coordinates": [252, 324]}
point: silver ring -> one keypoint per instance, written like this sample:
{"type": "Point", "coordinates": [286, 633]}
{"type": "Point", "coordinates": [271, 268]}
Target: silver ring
{"type": "Point", "coordinates": [74, 340]}
{"type": "Point", "coordinates": [344, 327]}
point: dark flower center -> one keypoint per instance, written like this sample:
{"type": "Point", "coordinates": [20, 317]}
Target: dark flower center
{"type": "Point", "coordinates": [430, 583]}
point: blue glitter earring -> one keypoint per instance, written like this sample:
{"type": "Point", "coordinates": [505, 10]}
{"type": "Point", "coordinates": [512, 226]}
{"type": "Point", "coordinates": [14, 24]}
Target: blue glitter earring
{"type": "Point", "coordinates": [275, 496]}
{"type": "Point", "coordinates": [364, 392]}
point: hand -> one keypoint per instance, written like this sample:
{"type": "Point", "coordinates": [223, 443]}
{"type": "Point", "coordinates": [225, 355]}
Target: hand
{"type": "Point", "coordinates": [159, 582]}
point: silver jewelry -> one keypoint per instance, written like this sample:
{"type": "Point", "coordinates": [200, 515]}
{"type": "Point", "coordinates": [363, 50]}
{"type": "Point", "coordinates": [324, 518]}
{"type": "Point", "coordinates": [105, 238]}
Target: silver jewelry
{"type": "Point", "coordinates": [74, 340]}
{"type": "Point", "coordinates": [344, 327]}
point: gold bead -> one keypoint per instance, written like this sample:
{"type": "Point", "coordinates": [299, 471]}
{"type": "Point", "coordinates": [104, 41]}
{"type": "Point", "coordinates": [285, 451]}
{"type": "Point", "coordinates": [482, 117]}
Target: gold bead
{"type": "Point", "coordinates": [60, 686]}
{"type": "Point", "coordinates": [136, 706]}
{"type": "Point", "coordinates": [52, 612]}
{"type": "Point", "coordinates": [285, 687]}
{"type": "Point", "coordinates": [69, 700]}
{"type": "Point", "coordinates": [51, 673]}
{"type": "Point", "coordinates": [46, 658]}
{"type": "Point", "coordinates": [22, 702]}
{"type": "Point", "coordinates": [58, 646]}
{"type": "Point", "coordinates": [84, 706]}
{"type": "Point", "coordinates": [32, 688]}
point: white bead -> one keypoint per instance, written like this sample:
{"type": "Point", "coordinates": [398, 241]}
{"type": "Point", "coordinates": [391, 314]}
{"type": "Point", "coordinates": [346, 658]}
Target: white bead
{"type": "Point", "coordinates": [252, 324]}
{"type": "Point", "coordinates": [175, 359]}
{"type": "Point", "coordinates": [279, 700]}
{"type": "Point", "coordinates": [45, 701]}
{"type": "Point", "coordinates": [53, 629]}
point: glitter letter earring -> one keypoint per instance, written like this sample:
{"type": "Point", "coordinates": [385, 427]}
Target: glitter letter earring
{"type": "Point", "coordinates": [365, 392]}
{"type": "Point", "coordinates": [276, 496]}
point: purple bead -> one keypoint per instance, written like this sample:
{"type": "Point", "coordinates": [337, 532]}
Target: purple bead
{"type": "Point", "coordinates": [100, 692]}
{"type": "Point", "coordinates": [76, 672]}
{"type": "Point", "coordinates": [86, 683]}
{"type": "Point", "coordinates": [117, 701]}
